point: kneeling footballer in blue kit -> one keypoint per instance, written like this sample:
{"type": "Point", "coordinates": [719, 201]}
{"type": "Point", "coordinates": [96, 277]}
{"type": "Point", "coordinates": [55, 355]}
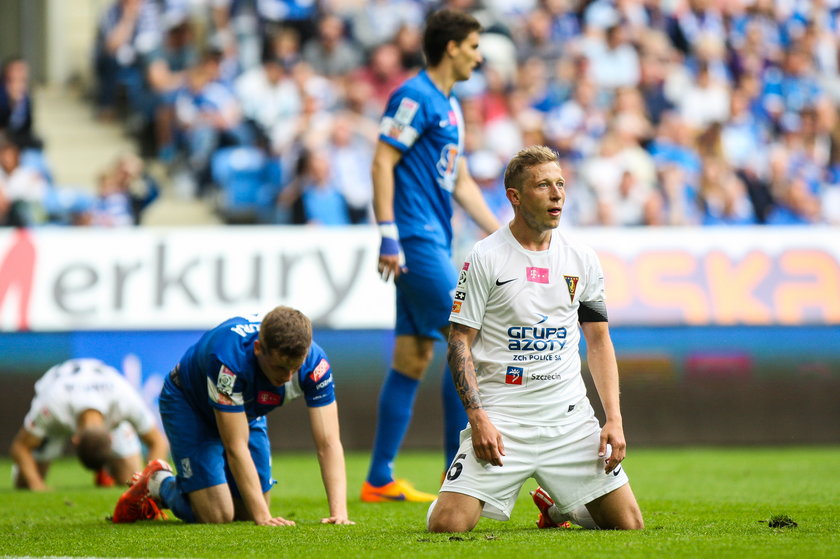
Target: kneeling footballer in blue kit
{"type": "Point", "coordinates": [213, 405]}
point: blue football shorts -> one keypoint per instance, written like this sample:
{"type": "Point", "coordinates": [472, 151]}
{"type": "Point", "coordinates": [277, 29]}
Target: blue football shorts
{"type": "Point", "coordinates": [197, 448]}
{"type": "Point", "coordinates": [425, 291]}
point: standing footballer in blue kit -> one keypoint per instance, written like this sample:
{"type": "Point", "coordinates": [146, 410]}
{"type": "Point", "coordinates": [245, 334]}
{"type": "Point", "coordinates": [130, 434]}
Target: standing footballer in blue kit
{"type": "Point", "coordinates": [418, 169]}
{"type": "Point", "coordinates": [213, 405]}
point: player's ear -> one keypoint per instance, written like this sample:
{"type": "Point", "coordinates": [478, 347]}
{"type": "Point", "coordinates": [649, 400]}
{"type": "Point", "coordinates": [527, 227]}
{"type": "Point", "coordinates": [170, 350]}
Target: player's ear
{"type": "Point", "coordinates": [512, 196]}
{"type": "Point", "coordinates": [452, 46]}
{"type": "Point", "coordinates": [257, 347]}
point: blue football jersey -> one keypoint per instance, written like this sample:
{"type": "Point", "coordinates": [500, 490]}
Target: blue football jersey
{"type": "Point", "coordinates": [427, 127]}
{"type": "Point", "coordinates": [221, 371]}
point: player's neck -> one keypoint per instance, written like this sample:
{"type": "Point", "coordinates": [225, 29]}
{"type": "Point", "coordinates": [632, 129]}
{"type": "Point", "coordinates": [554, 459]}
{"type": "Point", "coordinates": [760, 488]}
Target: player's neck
{"type": "Point", "coordinates": [441, 76]}
{"type": "Point", "coordinates": [530, 238]}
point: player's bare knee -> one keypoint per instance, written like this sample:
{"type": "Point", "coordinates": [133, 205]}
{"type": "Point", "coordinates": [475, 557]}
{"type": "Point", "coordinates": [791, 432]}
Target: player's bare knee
{"type": "Point", "coordinates": [632, 521]}
{"type": "Point", "coordinates": [449, 515]}
{"type": "Point", "coordinates": [448, 522]}
{"type": "Point", "coordinates": [214, 516]}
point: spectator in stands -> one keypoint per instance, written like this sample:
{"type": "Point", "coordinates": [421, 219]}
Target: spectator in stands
{"type": "Point", "coordinates": [614, 61]}
{"type": "Point", "coordinates": [270, 99]}
{"type": "Point", "coordinates": [23, 191]}
{"type": "Point", "coordinates": [381, 75]}
{"type": "Point", "coordinates": [723, 196]}
{"type": "Point", "coordinates": [323, 203]}
{"type": "Point", "coordinates": [704, 101]}
{"type": "Point", "coordinates": [350, 155]}
{"type": "Point", "coordinates": [165, 73]}
{"type": "Point", "coordinates": [207, 116]}
{"type": "Point", "coordinates": [127, 31]}
{"type": "Point", "coordinates": [331, 54]}
{"type": "Point", "coordinates": [375, 22]}
{"type": "Point", "coordinates": [16, 103]}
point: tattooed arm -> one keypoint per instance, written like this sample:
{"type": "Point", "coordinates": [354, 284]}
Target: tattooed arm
{"type": "Point", "coordinates": [487, 441]}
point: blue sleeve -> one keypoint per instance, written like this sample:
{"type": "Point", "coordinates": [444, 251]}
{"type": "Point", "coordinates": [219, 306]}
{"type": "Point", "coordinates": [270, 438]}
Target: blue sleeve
{"type": "Point", "coordinates": [316, 379]}
{"type": "Point", "coordinates": [405, 118]}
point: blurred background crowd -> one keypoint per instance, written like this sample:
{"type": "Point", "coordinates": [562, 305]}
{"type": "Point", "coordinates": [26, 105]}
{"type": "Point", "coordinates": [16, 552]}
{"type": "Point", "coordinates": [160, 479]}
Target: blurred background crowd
{"type": "Point", "coordinates": [665, 112]}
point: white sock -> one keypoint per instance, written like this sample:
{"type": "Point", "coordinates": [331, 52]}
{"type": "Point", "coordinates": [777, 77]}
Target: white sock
{"type": "Point", "coordinates": [579, 516]}
{"type": "Point", "coordinates": [154, 482]}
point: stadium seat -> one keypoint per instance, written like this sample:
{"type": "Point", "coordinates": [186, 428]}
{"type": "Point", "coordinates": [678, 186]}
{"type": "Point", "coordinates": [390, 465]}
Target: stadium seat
{"type": "Point", "coordinates": [248, 182]}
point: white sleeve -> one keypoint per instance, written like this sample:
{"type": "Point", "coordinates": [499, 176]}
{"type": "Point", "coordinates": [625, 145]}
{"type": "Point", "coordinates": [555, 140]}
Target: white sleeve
{"type": "Point", "coordinates": [470, 293]}
{"type": "Point", "coordinates": [594, 289]}
{"type": "Point", "coordinates": [133, 409]}
{"type": "Point", "coordinates": [40, 420]}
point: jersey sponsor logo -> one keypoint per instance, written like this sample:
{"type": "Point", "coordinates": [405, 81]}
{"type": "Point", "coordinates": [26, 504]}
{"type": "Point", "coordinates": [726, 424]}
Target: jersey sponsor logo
{"type": "Point", "coordinates": [225, 381]}
{"type": "Point", "coordinates": [571, 284]}
{"type": "Point", "coordinates": [536, 275]}
{"type": "Point", "coordinates": [514, 375]}
{"type": "Point", "coordinates": [545, 376]}
{"type": "Point", "coordinates": [268, 398]}
{"type": "Point", "coordinates": [324, 383]}
{"type": "Point", "coordinates": [406, 111]}
{"type": "Point", "coordinates": [447, 167]}
{"type": "Point", "coordinates": [320, 370]}
{"type": "Point", "coordinates": [466, 266]}
{"type": "Point", "coordinates": [536, 338]}
{"type": "Point", "coordinates": [456, 307]}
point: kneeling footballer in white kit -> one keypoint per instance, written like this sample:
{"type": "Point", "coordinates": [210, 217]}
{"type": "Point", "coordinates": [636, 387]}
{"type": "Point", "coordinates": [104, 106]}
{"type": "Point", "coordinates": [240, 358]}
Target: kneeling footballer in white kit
{"type": "Point", "coordinates": [523, 297]}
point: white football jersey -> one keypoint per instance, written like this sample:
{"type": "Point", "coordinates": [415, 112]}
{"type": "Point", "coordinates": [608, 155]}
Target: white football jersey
{"type": "Point", "coordinates": [70, 388]}
{"type": "Point", "coordinates": [525, 306]}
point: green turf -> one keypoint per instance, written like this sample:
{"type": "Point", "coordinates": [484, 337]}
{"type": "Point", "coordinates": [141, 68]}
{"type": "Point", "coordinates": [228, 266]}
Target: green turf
{"type": "Point", "coordinates": [696, 503]}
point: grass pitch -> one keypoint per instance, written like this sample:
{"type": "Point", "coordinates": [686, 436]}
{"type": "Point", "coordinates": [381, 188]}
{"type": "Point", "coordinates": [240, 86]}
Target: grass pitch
{"type": "Point", "coordinates": [696, 503]}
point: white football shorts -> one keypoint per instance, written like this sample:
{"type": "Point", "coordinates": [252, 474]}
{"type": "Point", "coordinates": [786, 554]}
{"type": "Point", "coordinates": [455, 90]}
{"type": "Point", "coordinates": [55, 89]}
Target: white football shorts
{"type": "Point", "coordinates": [563, 459]}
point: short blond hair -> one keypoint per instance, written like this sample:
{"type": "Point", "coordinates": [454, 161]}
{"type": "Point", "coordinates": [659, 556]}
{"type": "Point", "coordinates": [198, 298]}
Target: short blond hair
{"type": "Point", "coordinates": [524, 160]}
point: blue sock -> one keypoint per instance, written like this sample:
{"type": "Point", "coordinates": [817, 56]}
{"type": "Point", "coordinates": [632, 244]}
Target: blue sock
{"type": "Point", "coordinates": [173, 499]}
{"type": "Point", "coordinates": [454, 417]}
{"type": "Point", "coordinates": [396, 405]}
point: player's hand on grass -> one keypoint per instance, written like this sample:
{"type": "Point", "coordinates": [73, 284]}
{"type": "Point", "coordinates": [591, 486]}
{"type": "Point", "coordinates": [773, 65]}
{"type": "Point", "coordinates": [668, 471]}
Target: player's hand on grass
{"type": "Point", "coordinates": [391, 257]}
{"type": "Point", "coordinates": [276, 521]}
{"type": "Point", "coordinates": [337, 520]}
{"type": "Point", "coordinates": [612, 434]}
{"type": "Point", "coordinates": [487, 441]}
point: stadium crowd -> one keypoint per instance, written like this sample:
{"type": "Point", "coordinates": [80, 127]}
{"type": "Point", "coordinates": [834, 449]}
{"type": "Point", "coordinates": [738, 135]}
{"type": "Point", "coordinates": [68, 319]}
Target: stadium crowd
{"type": "Point", "coordinates": [665, 112]}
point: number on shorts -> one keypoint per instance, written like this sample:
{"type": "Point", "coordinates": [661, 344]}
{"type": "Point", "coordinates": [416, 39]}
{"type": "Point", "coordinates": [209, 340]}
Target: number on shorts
{"type": "Point", "coordinates": [456, 467]}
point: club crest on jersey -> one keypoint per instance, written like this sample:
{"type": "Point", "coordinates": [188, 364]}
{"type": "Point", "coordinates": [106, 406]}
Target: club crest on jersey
{"type": "Point", "coordinates": [225, 381]}
{"type": "Point", "coordinates": [462, 279]}
{"type": "Point", "coordinates": [268, 398]}
{"type": "Point", "coordinates": [571, 283]}
{"type": "Point", "coordinates": [456, 307]}
{"type": "Point", "coordinates": [514, 375]}
{"type": "Point", "coordinates": [320, 370]}
{"type": "Point", "coordinates": [536, 275]}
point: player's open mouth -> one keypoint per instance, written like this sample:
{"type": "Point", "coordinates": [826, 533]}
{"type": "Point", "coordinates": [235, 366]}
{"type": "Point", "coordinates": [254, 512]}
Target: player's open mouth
{"type": "Point", "coordinates": [555, 211]}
